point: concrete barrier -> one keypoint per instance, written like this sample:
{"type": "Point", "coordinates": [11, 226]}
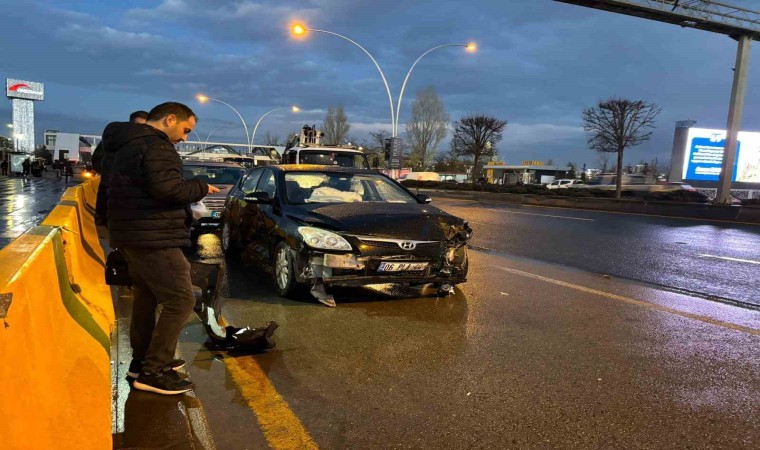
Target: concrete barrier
{"type": "Point", "coordinates": [57, 313]}
{"type": "Point", "coordinates": [747, 214]}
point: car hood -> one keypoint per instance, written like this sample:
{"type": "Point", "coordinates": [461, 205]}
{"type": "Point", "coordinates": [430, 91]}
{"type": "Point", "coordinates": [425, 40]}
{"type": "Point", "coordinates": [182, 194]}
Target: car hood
{"type": "Point", "coordinates": [389, 220]}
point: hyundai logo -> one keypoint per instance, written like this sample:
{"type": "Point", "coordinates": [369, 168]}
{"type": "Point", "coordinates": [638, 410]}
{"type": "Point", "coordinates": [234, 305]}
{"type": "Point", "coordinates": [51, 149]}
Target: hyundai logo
{"type": "Point", "coordinates": [407, 245]}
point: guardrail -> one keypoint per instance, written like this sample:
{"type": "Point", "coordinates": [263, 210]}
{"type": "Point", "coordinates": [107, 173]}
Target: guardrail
{"type": "Point", "coordinates": [57, 317]}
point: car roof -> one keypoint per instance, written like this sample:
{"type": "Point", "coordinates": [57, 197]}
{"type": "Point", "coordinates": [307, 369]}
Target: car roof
{"type": "Point", "coordinates": [320, 168]}
{"type": "Point", "coordinates": [197, 162]}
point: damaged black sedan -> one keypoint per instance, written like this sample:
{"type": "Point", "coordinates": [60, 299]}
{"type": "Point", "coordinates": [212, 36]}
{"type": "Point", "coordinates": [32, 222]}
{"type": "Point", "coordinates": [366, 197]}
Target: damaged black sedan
{"type": "Point", "coordinates": [322, 226]}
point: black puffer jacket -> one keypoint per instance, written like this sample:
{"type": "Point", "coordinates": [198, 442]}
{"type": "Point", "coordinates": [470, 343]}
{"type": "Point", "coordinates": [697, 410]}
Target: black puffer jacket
{"type": "Point", "coordinates": [148, 200]}
{"type": "Point", "coordinates": [115, 135]}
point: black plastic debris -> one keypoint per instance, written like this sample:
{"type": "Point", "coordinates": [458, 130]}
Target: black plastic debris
{"type": "Point", "coordinates": [208, 306]}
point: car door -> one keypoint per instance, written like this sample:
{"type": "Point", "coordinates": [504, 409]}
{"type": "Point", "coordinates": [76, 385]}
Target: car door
{"type": "Point", "coordinates": [262, 217]}
{"type": "Point", "coordinates": [237, 210]}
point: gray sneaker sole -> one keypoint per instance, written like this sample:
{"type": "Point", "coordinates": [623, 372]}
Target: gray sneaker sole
{"type": "Point", "coordinates": [149, 388]}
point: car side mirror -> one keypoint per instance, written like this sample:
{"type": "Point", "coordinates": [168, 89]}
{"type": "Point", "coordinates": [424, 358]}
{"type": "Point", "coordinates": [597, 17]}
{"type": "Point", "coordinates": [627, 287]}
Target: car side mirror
{"type": "Point", "coordinates": [424, 198]}
{"type": "Point", "coordinates": [258, 197]}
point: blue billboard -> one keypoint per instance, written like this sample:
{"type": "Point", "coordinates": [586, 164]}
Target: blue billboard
{"type": "Point", "coordinates": [705, 158]}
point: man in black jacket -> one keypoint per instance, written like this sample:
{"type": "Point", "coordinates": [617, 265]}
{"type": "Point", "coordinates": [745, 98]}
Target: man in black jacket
{"type": "Point", "coordinates": [148, 220]}
{"type": "Point", "coordinates": [102, 158]}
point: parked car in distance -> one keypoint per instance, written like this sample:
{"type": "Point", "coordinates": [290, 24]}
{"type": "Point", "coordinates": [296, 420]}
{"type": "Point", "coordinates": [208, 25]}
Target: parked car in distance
{"type": "Point", "coordinates": [422, 176]}
{"type": "Point", "coordinates": [207, 213]}
{"type": "Point", "coordinates": [565, 183]}
{"type": "Point", "coordinates": [340, 226]}
{"type": "Point", "coordinates": [676, 185]}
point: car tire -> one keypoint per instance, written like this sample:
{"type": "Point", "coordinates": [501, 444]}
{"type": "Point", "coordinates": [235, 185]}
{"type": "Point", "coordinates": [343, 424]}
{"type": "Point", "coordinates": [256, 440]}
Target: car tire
{"type": "Point", "coordinates": [284, 270]}
{"type": "Point", "coordinates": [228, 244]}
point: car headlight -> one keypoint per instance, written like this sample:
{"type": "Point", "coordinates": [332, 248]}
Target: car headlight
{"type": "Point", "coordinates": [323, 239]}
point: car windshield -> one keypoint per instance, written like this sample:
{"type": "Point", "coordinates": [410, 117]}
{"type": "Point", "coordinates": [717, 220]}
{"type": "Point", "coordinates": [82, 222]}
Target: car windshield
{"type": "Point", "coordinates": [327, 187]}
{"type": "Point", "coordinates": [213, 174]}
{"type": "Point", "coordinates": [329, 158]}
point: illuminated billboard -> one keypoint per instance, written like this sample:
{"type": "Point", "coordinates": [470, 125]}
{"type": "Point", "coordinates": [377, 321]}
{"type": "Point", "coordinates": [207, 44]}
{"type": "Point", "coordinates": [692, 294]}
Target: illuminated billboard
{"type": "Point", "coordinates": [704, 156]}
{"type": "Point", "coordinates": [29, 90]}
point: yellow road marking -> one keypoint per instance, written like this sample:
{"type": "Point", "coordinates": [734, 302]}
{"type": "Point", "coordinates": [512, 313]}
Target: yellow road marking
{"type": "Point", "coordinates": [281, 427]}
{"type": "Point", "coordinates": [632, 301]}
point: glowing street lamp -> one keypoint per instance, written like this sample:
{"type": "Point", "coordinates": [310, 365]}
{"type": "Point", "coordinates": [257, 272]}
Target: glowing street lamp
{"type": "Point", "coordinates": [294, 109]}
{"type": "Point", "coordinates": [470, 47]}
{"type": "Point", "coordinates": [204, 98]}
{"type": "Point", "coordinates": [299, 30]}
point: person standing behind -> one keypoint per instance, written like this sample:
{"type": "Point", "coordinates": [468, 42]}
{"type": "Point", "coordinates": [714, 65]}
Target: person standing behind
{"type": "Point", "coordinates": [101, 162]}
{"type": "Point", "coordinates": [148, 221]}
{"type": "Point", "coordinates": [4, 166]}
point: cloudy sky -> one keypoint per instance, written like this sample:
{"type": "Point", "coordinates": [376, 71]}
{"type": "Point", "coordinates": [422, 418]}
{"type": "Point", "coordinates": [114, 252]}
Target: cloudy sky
{"type": "Point", "coordinates": [539, 63]}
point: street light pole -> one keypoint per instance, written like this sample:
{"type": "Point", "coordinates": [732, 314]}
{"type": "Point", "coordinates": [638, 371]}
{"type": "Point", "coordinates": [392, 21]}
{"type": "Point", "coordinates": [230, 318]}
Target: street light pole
{"type": "Point", "coordinates": [204, 99]}
{"type": "Point", "coordinates": [208, 136]}
{"type": "Point", "coordinates": [299, 29]}
{"type": "Point", "coordinates": [253, 135]}
{"type": "Point", "coordinates": [469, 47]}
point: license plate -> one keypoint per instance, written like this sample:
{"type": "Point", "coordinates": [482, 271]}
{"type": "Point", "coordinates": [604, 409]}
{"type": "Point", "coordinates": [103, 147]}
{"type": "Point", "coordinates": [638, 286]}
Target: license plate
{"type": "Point", "coordinates": [401, 267]}
{"type": "Point", "coordinates": [216, 214]}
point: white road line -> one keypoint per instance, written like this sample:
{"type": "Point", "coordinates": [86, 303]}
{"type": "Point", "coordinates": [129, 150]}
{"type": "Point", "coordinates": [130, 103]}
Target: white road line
{"type": "Point", "coordinates": [730, 259]}
{"type": "Point", "coordinates": [534, 214]}
{"type": "Point", "coordinates": [633, 301]}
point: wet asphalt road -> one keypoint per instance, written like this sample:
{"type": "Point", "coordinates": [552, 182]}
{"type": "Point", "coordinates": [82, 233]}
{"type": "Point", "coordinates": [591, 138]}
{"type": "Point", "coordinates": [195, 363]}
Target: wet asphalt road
{"type": "Point", "coordinates": [25, 203]}
{"type": "Point", "coordinates": [524, 355]}
{"type": "Point", "coordinates": [674, 253]}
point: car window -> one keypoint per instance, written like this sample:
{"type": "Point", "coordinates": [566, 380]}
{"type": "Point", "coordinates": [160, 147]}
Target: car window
{"type": "Point", "coordinates": [336, 187]}
{"type": "Point", "coordinates": [249, 185]}
{"type": "Point", "coordinates": [267, 183]}
{"type": "Point", "coordinates": [212, 174]}
{"type": "Point", "coordinates": [565, 182]}
{"type": "Point", "coordinates": [554, 183]}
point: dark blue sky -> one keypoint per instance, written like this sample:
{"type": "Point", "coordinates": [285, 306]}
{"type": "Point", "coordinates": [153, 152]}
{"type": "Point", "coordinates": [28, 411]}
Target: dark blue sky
{"type": "Point", "coordinates": [539, 64]}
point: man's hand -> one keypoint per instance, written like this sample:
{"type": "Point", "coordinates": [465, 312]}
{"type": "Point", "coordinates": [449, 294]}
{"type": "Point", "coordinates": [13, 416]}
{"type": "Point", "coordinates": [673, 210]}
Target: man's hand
{"type": "Point", "coordinates": [212, 189]}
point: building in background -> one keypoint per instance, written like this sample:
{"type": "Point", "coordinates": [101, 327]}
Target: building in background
{"type": "Point", "coordinates": [23, 94]}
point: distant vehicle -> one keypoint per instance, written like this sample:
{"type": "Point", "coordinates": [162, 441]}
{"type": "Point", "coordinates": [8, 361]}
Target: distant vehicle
{"type": "Point", "coordinates": [565, 183]}
{"type": "Point", "coordinates": [207, 213]}
{"type": "Point", "coordinates": [422, 176]}
{"type": "Point", "coordinates": [676, 185]}
{"type": "Point", "coordinates": [305, 148]}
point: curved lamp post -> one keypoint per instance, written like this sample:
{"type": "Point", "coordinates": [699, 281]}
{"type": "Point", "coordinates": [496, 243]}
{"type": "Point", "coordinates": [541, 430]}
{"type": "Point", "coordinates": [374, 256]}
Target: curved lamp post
{"type": "Point", "coordinates": [470, 47]}
{"type": "Point", "coordinates": [203, 99]}
{"type": "Point", "coordinates": [300, 30]}
{"type": "Point", "coordinates": [253, 135]}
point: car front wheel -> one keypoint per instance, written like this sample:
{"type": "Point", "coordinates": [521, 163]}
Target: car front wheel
{"type": "Point", "coordinates": [227, 246]}
{"type": "Point", "coordinates": [284, 269]}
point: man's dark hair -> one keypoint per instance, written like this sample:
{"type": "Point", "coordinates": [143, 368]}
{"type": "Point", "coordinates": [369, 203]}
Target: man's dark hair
{"type": "Point", "coordinates": [164, 109]}
{"type": "Point", "coordinates": [138, 115]}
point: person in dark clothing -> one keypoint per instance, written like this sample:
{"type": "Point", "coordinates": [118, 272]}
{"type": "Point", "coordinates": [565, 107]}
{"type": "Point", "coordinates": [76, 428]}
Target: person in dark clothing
{"type": "Point", "coordinates": [4, 166]}
{"type": "Point", "coordinates": [148, 220]}
{"type": "Point", "coordinates": [101, 162]}
{"type": "Point", "coordinates": [26, 168]}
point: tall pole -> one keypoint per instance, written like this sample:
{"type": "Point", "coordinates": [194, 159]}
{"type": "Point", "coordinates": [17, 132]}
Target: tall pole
{"type": "Point", "coordinates": [253, 135]}
{"type": "Point", "coordinates": [385, 82]}
{"type": "Point", "coordinates": [408, 74]}
{"type": "Point", "coordinates": [203, 99]}
{"type": "Point", "coordinates": [735, 110]}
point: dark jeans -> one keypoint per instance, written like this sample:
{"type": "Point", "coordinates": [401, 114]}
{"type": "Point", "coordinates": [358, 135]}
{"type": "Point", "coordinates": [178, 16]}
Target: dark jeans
{"type": "Point", "coordinates": [160, 277]}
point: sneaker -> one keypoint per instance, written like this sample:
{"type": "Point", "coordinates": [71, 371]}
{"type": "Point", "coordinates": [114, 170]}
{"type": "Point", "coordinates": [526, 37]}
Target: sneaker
{"type": "Point", "coordinates": [164, 383]}
{"type": "Point", "coordinates": [135, 367]}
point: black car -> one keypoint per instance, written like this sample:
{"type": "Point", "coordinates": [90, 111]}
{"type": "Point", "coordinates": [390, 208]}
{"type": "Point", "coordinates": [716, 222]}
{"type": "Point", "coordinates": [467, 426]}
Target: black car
{"type": "Point", "coordinates": [207, 213]}
{"type": "Point", "coordinates": [339, 226]}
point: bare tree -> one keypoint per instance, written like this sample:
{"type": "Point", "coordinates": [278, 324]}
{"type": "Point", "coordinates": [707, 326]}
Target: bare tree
{"type": "Point", "coordinates": [616, 124]}
{"type": "Point", "coordinates": [476, 137]}
{"type": "Point", "coordinates": [271, 139]}
{"type": "Point", "coordinates": [336, 125]}
{"type": "Point", "coordinates": [603, 161]}
{"type": "Point", "coordinates": [427, 126]}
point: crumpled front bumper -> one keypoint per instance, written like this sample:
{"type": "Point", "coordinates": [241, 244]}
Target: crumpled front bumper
{"type": "Point", "coordinates": [351, 269]}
